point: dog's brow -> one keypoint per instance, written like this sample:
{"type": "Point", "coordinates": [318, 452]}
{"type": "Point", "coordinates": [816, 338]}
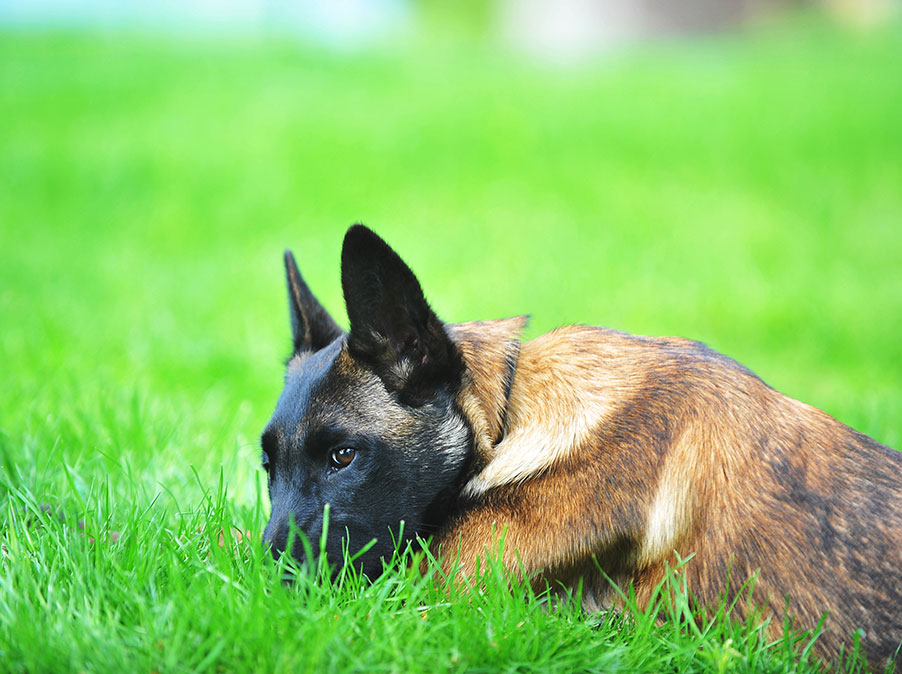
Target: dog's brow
{"type": "Point", "coordinates": [328, 436]}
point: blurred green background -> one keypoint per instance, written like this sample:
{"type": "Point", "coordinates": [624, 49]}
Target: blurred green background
{"type": "Point", "coordinates": [742, 187]}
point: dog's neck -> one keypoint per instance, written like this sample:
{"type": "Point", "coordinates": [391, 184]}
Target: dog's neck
{"type": "Point", "coordinates": [490, 350]}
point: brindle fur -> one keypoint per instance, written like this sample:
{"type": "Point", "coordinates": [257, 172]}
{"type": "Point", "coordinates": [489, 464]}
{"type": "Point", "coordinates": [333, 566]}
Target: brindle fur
{"type": "Point", "coordinates": [591, 450]}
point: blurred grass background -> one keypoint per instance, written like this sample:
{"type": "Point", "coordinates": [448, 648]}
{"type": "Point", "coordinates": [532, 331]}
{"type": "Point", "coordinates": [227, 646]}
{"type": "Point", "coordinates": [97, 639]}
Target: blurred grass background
{"type": "Point", "coordinates": [743, 189]}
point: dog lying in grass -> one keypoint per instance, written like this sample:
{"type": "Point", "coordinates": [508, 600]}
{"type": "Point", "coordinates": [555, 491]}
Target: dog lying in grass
{"type": "Point", "coordinates": [600, 456]}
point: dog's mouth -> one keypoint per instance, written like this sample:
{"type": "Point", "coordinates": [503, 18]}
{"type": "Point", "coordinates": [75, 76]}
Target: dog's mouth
{"type": "Point", "coordinates": [369, 555]}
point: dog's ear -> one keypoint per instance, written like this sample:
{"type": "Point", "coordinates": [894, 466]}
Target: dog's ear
{"type": "Point", "coordinates": [312, 327]}
{"type": "Point", "coordinates": [392, 326]}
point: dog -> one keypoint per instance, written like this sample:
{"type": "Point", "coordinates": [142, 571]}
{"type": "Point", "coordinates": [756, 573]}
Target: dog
{"type": "Point", "coordinates": [600, 456]}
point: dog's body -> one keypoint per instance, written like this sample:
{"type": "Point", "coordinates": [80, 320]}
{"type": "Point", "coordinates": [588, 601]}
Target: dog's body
{"type": "Point", "coordinates": [595, 453]}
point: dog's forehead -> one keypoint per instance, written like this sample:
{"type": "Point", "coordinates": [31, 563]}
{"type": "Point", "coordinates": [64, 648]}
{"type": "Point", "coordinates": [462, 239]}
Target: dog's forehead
{"type": "Point", "coordinates": [329, 388]}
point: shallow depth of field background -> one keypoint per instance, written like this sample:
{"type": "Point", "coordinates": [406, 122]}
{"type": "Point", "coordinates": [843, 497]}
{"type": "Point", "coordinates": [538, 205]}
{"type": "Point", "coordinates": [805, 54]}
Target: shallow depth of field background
{"type": "Point", "coordinates": [739, 185]}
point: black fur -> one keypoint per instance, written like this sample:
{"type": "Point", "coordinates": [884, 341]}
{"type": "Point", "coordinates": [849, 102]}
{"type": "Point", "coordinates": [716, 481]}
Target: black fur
{"type": "Point", "coordinates": [392, 326]}
{"type": "Point", "coordinates": [312, 327]}
{"type": "Point", "coordinates": [387, 390]}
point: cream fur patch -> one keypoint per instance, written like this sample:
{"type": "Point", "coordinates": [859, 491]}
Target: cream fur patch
{"type": "Point", "coordinates": [671, 510]}
{"type": "Point", "coordinates": [533, 447]}
{"type": "Point", "coordinates": [562, 391]}
{"type": "Point", "coordinates": [664, 523]}
{"type": "Point", "coordinates": [297, 362]}
{"type": "Point", "coordinates": [452, 437]}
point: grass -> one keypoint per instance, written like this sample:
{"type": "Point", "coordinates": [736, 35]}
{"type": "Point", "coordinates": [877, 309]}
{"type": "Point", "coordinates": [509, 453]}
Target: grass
{"type": "Point", "coordinates": [743, 191]}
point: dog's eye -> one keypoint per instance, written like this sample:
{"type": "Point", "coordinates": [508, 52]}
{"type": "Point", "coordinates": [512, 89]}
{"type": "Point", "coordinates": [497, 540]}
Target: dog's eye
{"type": "Point", "coordinates": [269, 446]}
{"type": "Point", "coordinates": [341, 457]}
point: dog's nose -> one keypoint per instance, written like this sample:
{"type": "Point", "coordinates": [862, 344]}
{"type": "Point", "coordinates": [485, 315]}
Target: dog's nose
{"type": "Point", "coordinates": [276, 538]}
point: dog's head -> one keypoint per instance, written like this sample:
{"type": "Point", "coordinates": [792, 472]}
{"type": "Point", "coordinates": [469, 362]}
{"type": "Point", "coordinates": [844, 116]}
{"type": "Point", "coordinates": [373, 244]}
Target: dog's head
{"type": "Point", "coordinates": [368, 421]}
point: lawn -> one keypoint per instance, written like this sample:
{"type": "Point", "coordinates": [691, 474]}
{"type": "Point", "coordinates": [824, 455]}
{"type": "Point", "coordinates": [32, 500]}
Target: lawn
{"type": "Point", "coordinates": [743, 190]}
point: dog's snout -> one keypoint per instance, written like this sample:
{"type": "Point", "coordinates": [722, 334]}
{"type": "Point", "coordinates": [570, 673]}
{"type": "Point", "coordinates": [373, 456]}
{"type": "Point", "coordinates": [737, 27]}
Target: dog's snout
{"type": "Point", "coordinates": [276, 541]}
{"type": "Point", "coordinates": [287, 530]}
{"type": "Point", "coordinates": [276, 536]}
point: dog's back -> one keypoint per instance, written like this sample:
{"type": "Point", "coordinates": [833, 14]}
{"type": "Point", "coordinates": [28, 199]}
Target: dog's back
{"type": "Point", "coordinates": [633, 450]}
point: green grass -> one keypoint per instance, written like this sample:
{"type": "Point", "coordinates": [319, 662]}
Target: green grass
{"type": "Point", "coordinates": [743, 191]}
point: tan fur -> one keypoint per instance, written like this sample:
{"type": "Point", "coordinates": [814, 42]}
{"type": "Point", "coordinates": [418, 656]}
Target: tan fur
{"type": "Point", "coordinates": [550, 417]}
{"type": "Point", "coordinates": [490, 351]}
{"type": "Point", "coordinates": [624, 452]}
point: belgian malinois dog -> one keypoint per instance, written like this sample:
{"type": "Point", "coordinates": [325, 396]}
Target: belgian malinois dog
{"type": "Point", "coordinates": [599, 456]}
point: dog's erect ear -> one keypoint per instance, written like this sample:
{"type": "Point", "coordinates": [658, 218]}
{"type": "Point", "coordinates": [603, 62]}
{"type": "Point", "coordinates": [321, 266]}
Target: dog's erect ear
{"type": "Point", "coordinates": [392, 326]}
{"type": "Point", "coordinates": [312, 327]}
